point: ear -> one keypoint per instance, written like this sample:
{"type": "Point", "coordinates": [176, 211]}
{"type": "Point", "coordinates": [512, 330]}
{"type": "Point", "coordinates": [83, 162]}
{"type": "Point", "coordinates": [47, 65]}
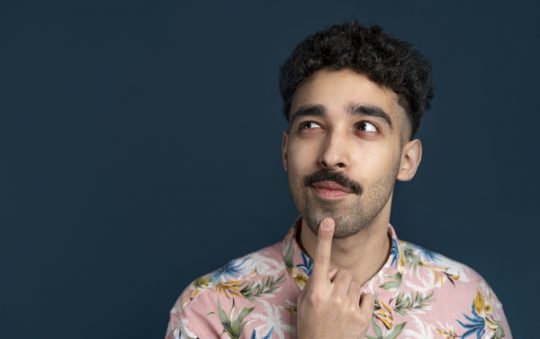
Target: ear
{"type": "Point", "coordinates": [411, 157]}
{"type": "Point", "coordinates": [284, 145]}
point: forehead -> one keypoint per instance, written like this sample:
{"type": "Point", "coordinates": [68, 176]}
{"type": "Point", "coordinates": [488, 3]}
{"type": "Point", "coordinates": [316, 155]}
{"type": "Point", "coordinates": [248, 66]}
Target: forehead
{"type": "Point", "coordinates": [337, 90]}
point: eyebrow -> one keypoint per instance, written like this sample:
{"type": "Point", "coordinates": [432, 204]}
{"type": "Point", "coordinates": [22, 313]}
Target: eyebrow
{"type": "Point", "coordinates": [354, 109]}
{"type": "Point", "coordinates": [308, 110]}
{"type": "Point", "coordinates": [370, 110]}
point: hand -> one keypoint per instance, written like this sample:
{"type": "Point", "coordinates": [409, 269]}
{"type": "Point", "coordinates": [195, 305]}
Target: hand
{"type": "Point", "coordinates": [331, 304]}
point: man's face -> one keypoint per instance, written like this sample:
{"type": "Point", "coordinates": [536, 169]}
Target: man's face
{"type": "Point", "coordinates": [343, 150]}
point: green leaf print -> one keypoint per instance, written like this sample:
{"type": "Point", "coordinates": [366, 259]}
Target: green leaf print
{"type": "Point", "coordinates": [406, 303]}
{"type": "Point", "coordinates": [288, 256]}
{"type": "Point", "coordinates": [411, 258]}
{"type": "Point", "coordinates": [396, 331]}
{"type": "Point", "coordinates": [379, 332]}
{"type": "Point", "coordinates": [394, 282]}
{"type": "Point", "coordinates": [233, 327]}
{"type": "Point", "coordinates": [376, 328]}
{"type": "Point", "coordinates": [254, 289]}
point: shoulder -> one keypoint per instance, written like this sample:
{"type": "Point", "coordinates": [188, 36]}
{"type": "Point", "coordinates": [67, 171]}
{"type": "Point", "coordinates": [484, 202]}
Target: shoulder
{"type": "Point", "coordinates": [235, 285]}
{"type": "Point", "coordinates": [432, 270]}
{"type": "Point", "coordinates": [264, 262]}
{"type": "Point", "coordinates": [450, 278]}
{"type": "Point", "coordinates": [418, 258]}
{"type": "Point", "coordinates": [458, 291]}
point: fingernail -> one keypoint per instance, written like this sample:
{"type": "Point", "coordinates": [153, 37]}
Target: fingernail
{"type": "Point", "coordinates": [325, 225]}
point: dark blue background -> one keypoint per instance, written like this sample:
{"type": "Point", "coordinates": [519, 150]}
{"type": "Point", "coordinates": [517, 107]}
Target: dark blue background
{"type": "Point", "coordinates": [140, 148]}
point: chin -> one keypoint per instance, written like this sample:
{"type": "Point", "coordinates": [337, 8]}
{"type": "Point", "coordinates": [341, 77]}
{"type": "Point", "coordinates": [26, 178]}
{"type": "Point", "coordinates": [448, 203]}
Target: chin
{"type": "Point", "coordinates": [346, 226]}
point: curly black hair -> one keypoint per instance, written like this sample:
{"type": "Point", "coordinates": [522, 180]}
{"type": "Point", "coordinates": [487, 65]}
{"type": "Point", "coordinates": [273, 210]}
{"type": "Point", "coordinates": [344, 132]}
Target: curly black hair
{"type": "Point", "coordinates": [385, 60]}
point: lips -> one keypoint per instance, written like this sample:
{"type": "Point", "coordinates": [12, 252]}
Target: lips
{"type": "Point", "coordinates": [328, 185]}
{"type": "Point", "coordinates": [331, 185]}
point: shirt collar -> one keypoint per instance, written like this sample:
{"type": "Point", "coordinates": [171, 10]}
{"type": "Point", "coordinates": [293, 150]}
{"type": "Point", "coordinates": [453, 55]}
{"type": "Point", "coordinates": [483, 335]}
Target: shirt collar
{"type": "Point", "coordinates": [299, 265]}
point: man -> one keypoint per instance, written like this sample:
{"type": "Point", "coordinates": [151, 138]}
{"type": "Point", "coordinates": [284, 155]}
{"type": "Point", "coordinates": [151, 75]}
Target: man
{"type": "Point", "coordinates": [353, 97]}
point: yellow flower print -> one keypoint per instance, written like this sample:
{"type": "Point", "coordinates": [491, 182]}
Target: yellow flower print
{"type": "Point", "coordinates": [481, 307]}
{"type": "Point", "coordinates": [447, 333]}
{"type": "Point", "coordinates": [230, 288]}
{"type": "Point", "coordinates": [383, 312]}
{"type": "Point", "coordinates": [199, 285]}
{"type": "Point", "coordinates": [202, 282]}
{"type": "Point", "coordinates": [300, 278]}
{"type": "Point", "coordinates": [440, 273]}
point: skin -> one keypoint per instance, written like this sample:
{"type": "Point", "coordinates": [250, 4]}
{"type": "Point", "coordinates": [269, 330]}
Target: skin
{"type": "Point", "coordinates": [328, 132]}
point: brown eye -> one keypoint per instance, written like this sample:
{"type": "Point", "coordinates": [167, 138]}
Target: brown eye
{"type": "Point", "coordinates": [367, 126]}
{"type": "Point", "coordinates": [309, 125]}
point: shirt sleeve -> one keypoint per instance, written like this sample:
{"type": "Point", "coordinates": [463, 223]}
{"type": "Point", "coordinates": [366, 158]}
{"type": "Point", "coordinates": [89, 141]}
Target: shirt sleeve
{"type": "Point", "coordinates": [178, 327]}
{"type": "Point", "coordinates": [506, 326]}
{"type": "Point", "coordinates": [497, 318]}
{"type": "Point", "coordinates": [193, 319]}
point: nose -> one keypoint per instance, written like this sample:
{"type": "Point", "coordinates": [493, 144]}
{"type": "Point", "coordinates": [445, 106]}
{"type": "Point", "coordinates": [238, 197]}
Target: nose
{"type": "Point", "coordinates": [334, 154]}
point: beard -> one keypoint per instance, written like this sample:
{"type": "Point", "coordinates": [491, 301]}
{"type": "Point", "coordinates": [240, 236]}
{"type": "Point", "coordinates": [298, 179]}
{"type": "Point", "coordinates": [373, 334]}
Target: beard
{"type": "Point", "coordinates": [351, 216]}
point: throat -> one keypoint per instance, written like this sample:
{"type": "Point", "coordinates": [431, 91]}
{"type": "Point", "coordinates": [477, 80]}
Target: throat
{"type": "Point", "coordinates": [363, 258]}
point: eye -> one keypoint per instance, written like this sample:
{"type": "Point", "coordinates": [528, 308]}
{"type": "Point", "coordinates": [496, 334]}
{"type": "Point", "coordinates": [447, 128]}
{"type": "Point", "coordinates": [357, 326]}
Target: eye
{"type": "Point", "coordinates": [367, 126]}
{"type": "Point", "coordinates": [309, 125]}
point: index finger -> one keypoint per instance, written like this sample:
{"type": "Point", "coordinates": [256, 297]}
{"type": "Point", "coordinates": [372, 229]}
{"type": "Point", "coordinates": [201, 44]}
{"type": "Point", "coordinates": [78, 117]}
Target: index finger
{"type": "Point", "coordinates": [321, 258]}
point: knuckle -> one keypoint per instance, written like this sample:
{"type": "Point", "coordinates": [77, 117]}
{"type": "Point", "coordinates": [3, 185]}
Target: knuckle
{"type": "Point", "coordinates": [355, 286]}
{"type": "Point", "coordinates": [369, 300]}
{"type": "Point", "coordinates": [347, 275]}
{"type": "Point", "coordinates": [362, 319]}
{"type": "Point", "coordinates": [343, 276]}
{"type": "Point", "coordinates": [314, 298]}
{"type": "Point", "coordinates": [337, 300]}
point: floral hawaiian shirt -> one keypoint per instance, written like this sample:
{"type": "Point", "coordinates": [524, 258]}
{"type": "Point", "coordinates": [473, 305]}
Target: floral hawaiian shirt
{"type": "Point", "coordinates": [419, 294]}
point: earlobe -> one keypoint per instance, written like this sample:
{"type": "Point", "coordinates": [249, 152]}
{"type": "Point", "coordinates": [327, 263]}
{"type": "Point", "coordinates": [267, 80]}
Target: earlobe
{"type": "Point", "coordinates": [410, 160]}
{"type": "Point", "coordinates": [284, 145]}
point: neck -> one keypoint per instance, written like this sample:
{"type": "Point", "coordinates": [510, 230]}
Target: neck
{"type": "Point", "coordinates": [362, 254]}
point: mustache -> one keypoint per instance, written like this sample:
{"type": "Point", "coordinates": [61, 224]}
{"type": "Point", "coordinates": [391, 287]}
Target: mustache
{"type": "Point", "coordinates": [338, 177]}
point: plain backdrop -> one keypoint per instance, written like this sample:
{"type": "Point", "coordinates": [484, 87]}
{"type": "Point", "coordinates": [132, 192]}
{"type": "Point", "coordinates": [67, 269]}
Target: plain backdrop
{"type": "Point", "coordinates": [140, 148]}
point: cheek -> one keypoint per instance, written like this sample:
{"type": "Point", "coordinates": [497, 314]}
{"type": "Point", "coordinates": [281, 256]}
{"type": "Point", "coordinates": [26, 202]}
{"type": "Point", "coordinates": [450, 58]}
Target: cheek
{"type": "Point", "coordinates": [375, 162]}
{"type": "Point", "coordinates": [302, 157]}
{"type": "Point", "coordinates": [302, 161]}
{"type": "Point", "coordinates": [295, 171]}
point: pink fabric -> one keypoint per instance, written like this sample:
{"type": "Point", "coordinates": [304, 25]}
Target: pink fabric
{"type": "Point", "coordinates": [420, 294]}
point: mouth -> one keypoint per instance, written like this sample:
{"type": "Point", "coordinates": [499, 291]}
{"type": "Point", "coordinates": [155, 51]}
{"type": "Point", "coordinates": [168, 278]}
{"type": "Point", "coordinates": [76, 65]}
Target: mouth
{"type": "Point", "coordinates": [330, 190]}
